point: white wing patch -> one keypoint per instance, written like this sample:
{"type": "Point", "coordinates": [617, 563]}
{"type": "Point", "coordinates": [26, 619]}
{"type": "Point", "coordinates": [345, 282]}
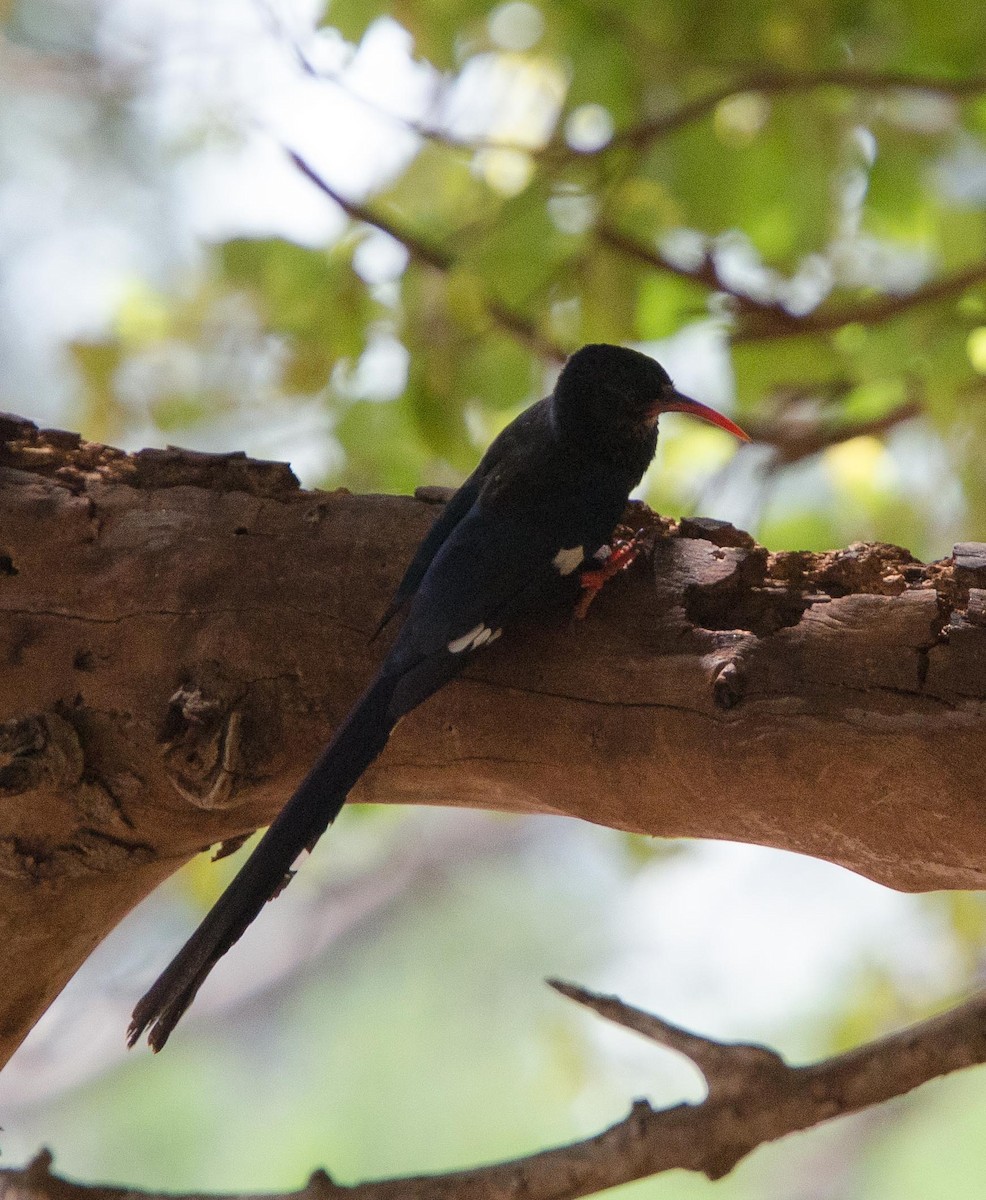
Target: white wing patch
{"type": "Point", "coordinates": [478, 636]}
{"type": "Point", "coordinates": [565, 561]}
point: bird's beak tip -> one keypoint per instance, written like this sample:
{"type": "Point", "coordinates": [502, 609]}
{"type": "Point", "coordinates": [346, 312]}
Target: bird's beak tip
{"type": "Point", "coordinates": [685, 404]}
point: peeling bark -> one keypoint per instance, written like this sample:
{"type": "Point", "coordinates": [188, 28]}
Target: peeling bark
{"type": "Point", "coordinates": [180, 632]}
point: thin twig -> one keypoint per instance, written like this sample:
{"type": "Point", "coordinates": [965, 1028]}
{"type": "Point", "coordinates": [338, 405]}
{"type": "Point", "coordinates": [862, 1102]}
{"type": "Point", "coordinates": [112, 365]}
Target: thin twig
{"type": "Point", "coordinates": [726, 1066]}
{"type": "Point", "coordinates": [778, 323]}
{"type": "Point", "coordinates": [776, 83]}
{"type": "Point", "coordinates": [759, 320]}
{"type": "Point", "coordinates": [643, 134]}
{"type": "Point", "coordinates": [514, 323]}
{"type": "Point", "coordinates": [795, 441]}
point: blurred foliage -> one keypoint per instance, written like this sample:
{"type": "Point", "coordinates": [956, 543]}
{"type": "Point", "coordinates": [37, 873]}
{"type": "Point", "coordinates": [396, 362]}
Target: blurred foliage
{"type": "Point", "coordinates": [801, 186]}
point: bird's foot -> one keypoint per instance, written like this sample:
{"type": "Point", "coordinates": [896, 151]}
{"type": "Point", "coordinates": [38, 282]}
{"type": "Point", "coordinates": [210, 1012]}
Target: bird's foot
{"type": "Point", "coordinates": [621, 554]}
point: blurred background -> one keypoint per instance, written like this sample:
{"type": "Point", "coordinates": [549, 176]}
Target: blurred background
{"type": "Point", "coordinates": [361, 238]}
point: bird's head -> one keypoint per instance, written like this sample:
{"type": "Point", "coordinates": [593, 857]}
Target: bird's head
{"type": "Point", "coordinates": [610, 390]}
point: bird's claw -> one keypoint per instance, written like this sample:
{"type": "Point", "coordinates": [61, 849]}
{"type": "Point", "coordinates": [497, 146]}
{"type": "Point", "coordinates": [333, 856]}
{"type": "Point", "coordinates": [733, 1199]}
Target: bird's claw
{"type": "Point", "coordinates": [622, 553]}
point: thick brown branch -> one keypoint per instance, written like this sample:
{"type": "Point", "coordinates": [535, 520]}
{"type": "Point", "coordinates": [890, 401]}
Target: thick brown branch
{"type": "Point", "coordinates": [180, 633]}
{"type": "Point", "coordinates": [754, 1097]}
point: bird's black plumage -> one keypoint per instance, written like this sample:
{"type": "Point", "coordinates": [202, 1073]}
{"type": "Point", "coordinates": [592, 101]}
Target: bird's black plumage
{"type": "Point", "coordinates": [544, 498]}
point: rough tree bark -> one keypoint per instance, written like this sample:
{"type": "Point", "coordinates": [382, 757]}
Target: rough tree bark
{"type": "Point", "coordinates": [180, 632]}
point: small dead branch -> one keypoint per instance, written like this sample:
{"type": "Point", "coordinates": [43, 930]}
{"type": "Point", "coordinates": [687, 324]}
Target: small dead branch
{"type": "Point", "coordinates": [754, 1097]}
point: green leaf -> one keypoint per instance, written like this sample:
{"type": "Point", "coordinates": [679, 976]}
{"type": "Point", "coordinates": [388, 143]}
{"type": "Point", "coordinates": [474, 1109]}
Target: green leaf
{"type": "Point", "coordinates": [872, 400]}
{"type": "Point", "coordinates": [438, 195]}
{"type": "Point", "coordinates": [646, 209]}
{"type": "Point", "coordinates": [768, 169]}
{"type": "Point", "coordinates": [384, 450]}
{"type": "Point", "coordinates": [803, 528]}
{"type": "Point", "coordinates": [766, 370]}
{"type": "Point", "coordinates": [352, 18]}
{"type": "Point", "coordinates": [434, 403]}
{"type": "Point", "coordinates": [98, 363]}
{"type": "Point", "coordinates": [500, 374]}
{"type": "Point", "coordinates": [898, 203]}
{"type": "Point", "coordinates": [313, 297]}
{"type": "Point", "coordinates": [172, 414]}
{"type": "Point", "coordinates": [608, 75]}
{"type": "Point", "coordinates": [609, 285]}
{"type": "Point", "coordinates": [666, 303]}
{"type": "Point", "coordinates": [523, 251]}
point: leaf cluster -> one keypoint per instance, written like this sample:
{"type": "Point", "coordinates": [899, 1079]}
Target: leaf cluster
{"type": "Point", "coordinates": [799, 189]}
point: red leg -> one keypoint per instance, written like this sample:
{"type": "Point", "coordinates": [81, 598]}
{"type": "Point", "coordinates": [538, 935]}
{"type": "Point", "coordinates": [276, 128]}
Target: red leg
{"type": "Point", "coordinates": [623, 553]}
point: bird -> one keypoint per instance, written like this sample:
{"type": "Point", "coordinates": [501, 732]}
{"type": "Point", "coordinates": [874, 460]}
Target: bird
{"type": "Point", "coordinates": [536, 513]}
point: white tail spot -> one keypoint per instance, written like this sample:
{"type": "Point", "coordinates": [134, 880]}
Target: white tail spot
{"type": "Point", "coordinates": [565, 561]}
{"type": "Point", "coordinates": [468, 640]}
{"type": "Point", "coordinates": [476, 637]}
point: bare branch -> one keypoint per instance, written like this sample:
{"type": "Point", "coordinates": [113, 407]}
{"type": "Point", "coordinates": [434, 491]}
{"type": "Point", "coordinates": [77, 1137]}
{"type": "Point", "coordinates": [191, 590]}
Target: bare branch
{"type": "Point", "coordinates": [643, 134]}
{"type": "Point", "coordinates": [754, 1098]}
{"type": "Point", "coordinates": [726, 1067]}
{"type": "Point", "coordinates": [705, 273]}
{"type": "Point", "coordinates": [763, 320]}
{"type": "Point", "coordinates": [778, 83]}
{"type": "Point", "coordinates": [794, 441]}
{"type": "Point", "coordinates": [514, 323]}
{"type": "Point", "coordinates": [775, 322]}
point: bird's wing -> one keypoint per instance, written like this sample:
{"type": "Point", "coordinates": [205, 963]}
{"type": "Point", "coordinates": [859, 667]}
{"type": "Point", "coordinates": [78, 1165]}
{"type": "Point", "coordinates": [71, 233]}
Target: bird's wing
{"type": "Point", "coordinates": [524, 434]}
{"type": "Point", "coordinates": [454, 510]}
{"type": "Point", "coordinates": [501, 560]}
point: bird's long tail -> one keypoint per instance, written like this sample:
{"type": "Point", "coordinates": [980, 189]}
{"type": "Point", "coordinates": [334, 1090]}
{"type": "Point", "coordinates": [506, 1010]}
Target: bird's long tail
{"type": "Point", "coordinates": [300, 824]}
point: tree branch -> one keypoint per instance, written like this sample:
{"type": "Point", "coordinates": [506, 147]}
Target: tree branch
{"type": "Point", "coordinates": [642, 135]}
{"type": "Point", "coordinates": [775, 83]}
{"type": "Point", "coordinates": [775, 322]}
{"type": "Point", "coordinates": [794, 441]}
{"type": "Point", "coordinates": [516, 324]}
{"type": "Point", "coordinates": [765, 320]}
{"type": "Point", "coordinates": [754, 1097]}
{"type": "Point", "coordinates": [755, 320]}
{"type": "Point", "coordinates": [181, 632]}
